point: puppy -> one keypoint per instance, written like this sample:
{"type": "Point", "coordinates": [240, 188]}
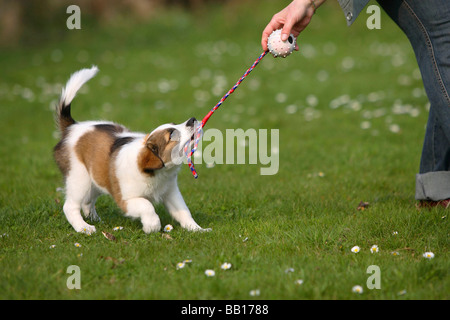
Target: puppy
{"type": "Point", "coordinates": [136, 169]}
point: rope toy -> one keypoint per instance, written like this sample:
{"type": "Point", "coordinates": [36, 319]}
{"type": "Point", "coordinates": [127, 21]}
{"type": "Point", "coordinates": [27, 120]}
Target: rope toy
{"type": "Point", "coordinates": [277, 48]}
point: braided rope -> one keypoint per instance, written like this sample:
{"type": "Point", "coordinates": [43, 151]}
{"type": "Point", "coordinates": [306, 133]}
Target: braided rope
{"type": "Point", "coordinates": [199, 130]}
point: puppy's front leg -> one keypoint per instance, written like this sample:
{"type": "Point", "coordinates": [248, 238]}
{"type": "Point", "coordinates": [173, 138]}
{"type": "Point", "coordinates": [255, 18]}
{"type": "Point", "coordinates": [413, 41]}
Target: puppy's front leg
{"type": "Point", "coordinates": [178, 209]}
{"type": "Point", "coordinates": [142, 208]}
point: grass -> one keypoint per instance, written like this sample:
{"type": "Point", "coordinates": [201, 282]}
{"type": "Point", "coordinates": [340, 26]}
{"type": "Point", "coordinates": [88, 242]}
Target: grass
{"type": "Point", "coordinates": [304, 217]}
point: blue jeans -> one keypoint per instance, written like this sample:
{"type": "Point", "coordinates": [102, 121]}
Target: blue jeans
{"type": "Point", "coordinates": [426, 23]}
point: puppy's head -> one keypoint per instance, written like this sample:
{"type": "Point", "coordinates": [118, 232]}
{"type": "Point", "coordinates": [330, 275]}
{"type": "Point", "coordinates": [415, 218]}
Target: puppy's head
{"type": "Point", "coordinates": [164, 145]}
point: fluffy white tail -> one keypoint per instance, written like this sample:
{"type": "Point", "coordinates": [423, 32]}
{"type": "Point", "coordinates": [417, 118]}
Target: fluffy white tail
{"type": "Point", "coordinates": [76, 81]}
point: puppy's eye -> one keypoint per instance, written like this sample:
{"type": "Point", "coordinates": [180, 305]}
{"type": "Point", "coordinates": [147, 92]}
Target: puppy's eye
{"type": "Point", "coordinates": [175, 135]}
{"type": "Point", "coordinates": [154, 148]}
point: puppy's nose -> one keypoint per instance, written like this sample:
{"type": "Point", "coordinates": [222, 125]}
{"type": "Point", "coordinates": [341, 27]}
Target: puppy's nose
{"type": "Point", "coordinates": [190, 122]}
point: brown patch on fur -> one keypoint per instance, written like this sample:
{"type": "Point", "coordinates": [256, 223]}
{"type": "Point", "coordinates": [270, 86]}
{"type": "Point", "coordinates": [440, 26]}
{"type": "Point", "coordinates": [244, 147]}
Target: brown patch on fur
{"type": "Point", "coordinates": [149, 159]}
{"type": "Point", "coordinates": [94, 150]}
{"type": "Point", "coordinates": [61, 155]}
{"type": "Point", "coordinates": [160, 145]}
{"type": "Point", "coordinates": [115, 185]}
{"type": "Point", "coordinates": [60, 151]}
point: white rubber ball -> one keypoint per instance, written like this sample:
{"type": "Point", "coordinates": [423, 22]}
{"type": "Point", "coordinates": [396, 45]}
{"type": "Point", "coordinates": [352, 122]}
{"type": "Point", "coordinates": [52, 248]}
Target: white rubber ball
{"type": "Point", "coordinates": [279, 48]}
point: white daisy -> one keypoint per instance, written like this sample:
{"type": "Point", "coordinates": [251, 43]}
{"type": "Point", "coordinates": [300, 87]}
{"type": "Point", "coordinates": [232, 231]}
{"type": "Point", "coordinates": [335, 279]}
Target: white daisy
{"type": "Point", "coordinates": [355, 249]}
{"type": "Point", "coordinates": [168, 228]}
{"type": "Point", "coordinates": [180, 265]}
{"type": "Point", "coordinates": [210, 273]}
{"type": "Point", "coordinates": [428, 255]}
{"type": "Point", "coordinates": [374, 249]}
{"type": "Point", "coordinates": [76, 244]}
{"type": "Point", "coordinates": [225, 266]}
{"type": "Point", "coordinates": [255, 292]}
{"type": "Point", "coordinates": [357, 289]}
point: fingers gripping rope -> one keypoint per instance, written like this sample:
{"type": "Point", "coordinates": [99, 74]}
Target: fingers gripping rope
{"type": "Point", "coordinates": [199, 130]}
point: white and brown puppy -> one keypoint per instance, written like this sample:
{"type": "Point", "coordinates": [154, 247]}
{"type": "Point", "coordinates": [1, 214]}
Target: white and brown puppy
{"type": "Point", "coordinates": [136, 169]}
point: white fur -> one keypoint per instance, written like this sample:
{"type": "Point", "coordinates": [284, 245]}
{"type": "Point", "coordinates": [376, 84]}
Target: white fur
{"type": "Point", "coordinates": [78, 189]}
{"type": "Point", "coordinates": [75, 82]}
{"type": "Point", "coordinates": [137, 189]}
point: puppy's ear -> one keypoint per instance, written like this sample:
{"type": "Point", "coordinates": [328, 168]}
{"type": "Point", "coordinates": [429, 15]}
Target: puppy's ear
{"type": "Point", "coordinates": [149, 159]}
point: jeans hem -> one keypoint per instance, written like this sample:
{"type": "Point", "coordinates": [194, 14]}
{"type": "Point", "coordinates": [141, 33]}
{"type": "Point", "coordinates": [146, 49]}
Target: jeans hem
{"type": "Point", "coordinates": [433, 186]}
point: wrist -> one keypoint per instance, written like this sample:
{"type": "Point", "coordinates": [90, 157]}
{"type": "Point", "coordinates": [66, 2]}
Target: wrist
{"type": "Point", "coordinates": [315, 4]}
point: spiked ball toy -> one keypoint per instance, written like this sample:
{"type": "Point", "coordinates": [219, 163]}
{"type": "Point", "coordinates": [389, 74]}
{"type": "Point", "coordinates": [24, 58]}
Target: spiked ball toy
{"type": "Point", "coordinates": [279, 48]}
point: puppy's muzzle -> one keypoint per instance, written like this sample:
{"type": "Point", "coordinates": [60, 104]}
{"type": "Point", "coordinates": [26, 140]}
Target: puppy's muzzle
{"type": "Point", "coordinates": [191, 122]}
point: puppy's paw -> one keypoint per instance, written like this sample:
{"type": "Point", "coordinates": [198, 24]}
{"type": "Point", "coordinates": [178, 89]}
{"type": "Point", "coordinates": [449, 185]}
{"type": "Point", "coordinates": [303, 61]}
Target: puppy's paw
{"type": "Point", "coordinates": [86, 229]}
{"type": "Point", "coordinates": [152, 227]}
{"type": "Point", "coordinates": [196, 228]}
{"type": "Point", "coordinates": [93, 216]}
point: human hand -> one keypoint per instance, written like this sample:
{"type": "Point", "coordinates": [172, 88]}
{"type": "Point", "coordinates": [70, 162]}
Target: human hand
{"type": "Point", "coordinates": [292, 19]}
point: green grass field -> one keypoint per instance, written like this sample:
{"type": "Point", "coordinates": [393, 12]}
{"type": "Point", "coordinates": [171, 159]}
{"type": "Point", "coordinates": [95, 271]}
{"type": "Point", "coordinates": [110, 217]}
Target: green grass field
{"type": "Point", "coordinates": [351, 112]}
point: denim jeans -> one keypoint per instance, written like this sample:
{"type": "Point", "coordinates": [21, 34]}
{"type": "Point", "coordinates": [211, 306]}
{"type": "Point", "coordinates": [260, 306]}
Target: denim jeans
{"type": "Point", "coordinates": [426, 23]}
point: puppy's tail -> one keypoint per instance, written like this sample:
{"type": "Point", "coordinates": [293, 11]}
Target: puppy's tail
{"type": "Point", "coordinates": [63, 117]}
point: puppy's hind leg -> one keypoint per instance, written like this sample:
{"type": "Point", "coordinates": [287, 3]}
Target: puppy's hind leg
{"type": "Point", "coordinates": [78, 185]}
{"type": "Point", "coordinates": [88, 204]}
